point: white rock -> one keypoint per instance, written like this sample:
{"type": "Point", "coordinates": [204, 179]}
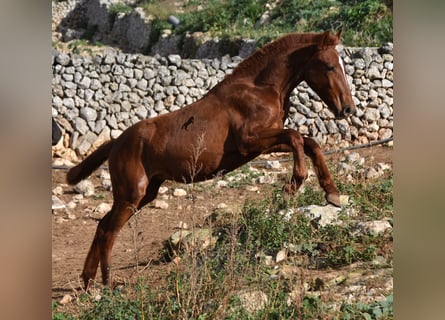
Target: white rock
{"type": "Point", "coordinates": [221, 205]}
{"type": "Point", "coordinates": [57, 203]}
{"type": "Point", "coordinates": [178, 236]}
{"type": "Point", "coordinates": [162, 190]}
{"type": "Point", "coordinates": [344, 199]}
{"type": "Point", "coordinates": [383, 166]}
{"type": "Point", "coordinates": [273, 164]}
{"type": "Point", "coordinates": [106, 184]}
{"type": "Point", "coordinates": [375, 228]}
{"type": "Point", "coordinates": [103, 208]}
{"type": "Point", "coordinates": [179, 192]}
{"type": "Point", "coordinates": [85, 187]}
{"type": "Point", "coordinates": [160, 204]}
{"type": "Point", "coordinates": [58, 191]}
{"type": "Point", "coordinates": [372, 173]}
{"type": "Point", "coordinates": [281, 256]}
{"type": "Point", "coordinates": [287, 214]}
{"type": "Point", "coordinates": [66, 299]}
{"type": "Point", "coordinates": [353, 157]}
{"type": "Point", "coordinates": [323, 215]}
{"type": "Point", "coordinates": [222, 184]}
{"type": "Point", "coordinates": [62, 162]}
{"type": "Point", "coordinates": [71, 205]}
{"type": "Point", "coordinates": [266, 179]}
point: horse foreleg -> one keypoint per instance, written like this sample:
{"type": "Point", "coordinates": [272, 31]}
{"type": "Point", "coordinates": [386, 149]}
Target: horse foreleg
{"type": "Point", "coordinates": [313, 151]}
{"type": "Point", "coordinates": [270, 140]}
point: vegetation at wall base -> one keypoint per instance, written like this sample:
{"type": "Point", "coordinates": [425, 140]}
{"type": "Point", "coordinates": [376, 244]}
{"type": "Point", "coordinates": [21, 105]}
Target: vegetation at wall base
{"type": "Point", "coordinates": [364, 23]}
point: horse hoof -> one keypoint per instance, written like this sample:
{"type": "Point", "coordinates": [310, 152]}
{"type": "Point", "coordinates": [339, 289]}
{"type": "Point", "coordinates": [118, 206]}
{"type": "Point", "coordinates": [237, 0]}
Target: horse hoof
{"type": "Point", "coordinates": [289, 189]}
{"type": "Point", "coordinates": [334, 199]}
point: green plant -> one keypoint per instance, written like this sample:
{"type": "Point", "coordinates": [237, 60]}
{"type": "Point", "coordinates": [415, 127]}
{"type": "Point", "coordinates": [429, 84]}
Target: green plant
{"type": "Point", "coordinates": [366, 22]}
{"type": "Point", "coordinates": [373, 200]}
{"type": "Point", "coordinates": [377, 310]}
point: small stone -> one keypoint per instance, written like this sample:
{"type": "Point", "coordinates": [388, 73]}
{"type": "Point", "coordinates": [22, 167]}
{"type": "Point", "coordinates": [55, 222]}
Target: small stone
{"type": "Point", "coordinates": [374, 228]}
{"type": "Point", "coordinates": [179, 192]}
{"type": "Point", "coordinates": [221, 205]}
{"type": "Point", "coordinates": [322, 215]}
{"type": "Point", "coordinates": [66, 299]}
{"type": "Point", "coordinates": [85, 187]}
{"type": "Point", "coordinates": [372, 173]}
{"type": "Point", "coordinates": [71, 205]}
{"type": "Point", "coordinates": [103, 208]}
{"type": "Point", "coordinates": [281, 256]}
{"type": "Point", "coordinates": [63, 162]}
{"type": "Point", "coordinates": [353, 157]}
{"type": "Point", "coordinates": [287, 214]}
{"type": "Point", "coordinates": [201, 239]}
{"type": "Point", "coordinates": [57, 191]}
{"type": "Point", "coordinates": [57, 203]}
{"type": "Point", "coordinates": [383, 166]}
{"type": "Point", "coordinates": [273, 164]}
{"type": "Point", "coordinates": [344, 200]}
{"type": "Point", "coordinates": [222, 184]}
{"type": "Point", "coordinates": [178, 236]}
{"type": "Point", "coordinates": [266, 179]}
{"type": "Point", "coordinates": [160, 204]}
{"type": "Point", "coordinates": [162, 190]}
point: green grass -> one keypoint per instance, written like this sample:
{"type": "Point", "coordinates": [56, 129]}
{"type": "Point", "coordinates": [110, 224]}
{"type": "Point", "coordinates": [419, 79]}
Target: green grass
{"type": "Point", "coordinates": [364, 23]}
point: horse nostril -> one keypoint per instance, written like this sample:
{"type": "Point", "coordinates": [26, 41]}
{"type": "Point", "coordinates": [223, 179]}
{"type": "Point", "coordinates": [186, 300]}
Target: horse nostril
{"type": "Point", "coordinates": [347, 111]}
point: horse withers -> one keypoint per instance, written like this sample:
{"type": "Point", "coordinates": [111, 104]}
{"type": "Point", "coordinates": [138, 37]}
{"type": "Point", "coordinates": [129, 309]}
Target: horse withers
{"type": "Point", "coordinates": [237, 120]}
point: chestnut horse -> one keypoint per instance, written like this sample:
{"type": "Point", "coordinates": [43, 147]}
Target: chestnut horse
{"type": "Point", "coordinates": [237, 120]}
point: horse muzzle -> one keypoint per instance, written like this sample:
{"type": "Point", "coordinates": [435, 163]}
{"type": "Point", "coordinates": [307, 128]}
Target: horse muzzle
{"type": "Point", "coordinates": [345, 112]}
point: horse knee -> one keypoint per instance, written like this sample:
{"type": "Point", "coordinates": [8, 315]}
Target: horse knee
{"type": "Point", "coordinates": [299, 177]}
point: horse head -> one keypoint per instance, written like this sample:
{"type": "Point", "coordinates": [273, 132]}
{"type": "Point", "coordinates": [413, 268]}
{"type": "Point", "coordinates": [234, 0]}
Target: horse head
{"type": "Point", "coordinates": [325, 74]}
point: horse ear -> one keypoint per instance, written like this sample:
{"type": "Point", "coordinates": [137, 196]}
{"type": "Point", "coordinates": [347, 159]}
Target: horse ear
{"type": "Point", "coordinates": [338, 35]}
{"type": "Point", "coordinates": [324, 40]}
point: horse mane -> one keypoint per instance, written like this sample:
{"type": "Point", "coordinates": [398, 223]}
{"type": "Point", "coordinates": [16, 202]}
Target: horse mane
{"type": "Point", "coordinates": [285, 44]}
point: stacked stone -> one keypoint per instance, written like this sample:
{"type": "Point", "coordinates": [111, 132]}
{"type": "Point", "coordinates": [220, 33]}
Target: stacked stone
{"type": "Point", "coordinates": [96, 98]}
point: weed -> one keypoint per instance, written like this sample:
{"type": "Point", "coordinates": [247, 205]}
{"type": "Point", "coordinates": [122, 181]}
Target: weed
{"type": "Point", "coordinates": [378, 310]}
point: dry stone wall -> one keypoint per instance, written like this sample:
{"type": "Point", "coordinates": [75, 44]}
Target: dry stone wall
{"type": "Point", "coordinates": [96, 98]}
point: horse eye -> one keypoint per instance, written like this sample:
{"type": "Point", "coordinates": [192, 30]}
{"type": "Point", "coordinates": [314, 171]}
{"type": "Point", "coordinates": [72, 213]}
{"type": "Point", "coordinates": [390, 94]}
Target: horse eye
{"type": "Point", "coordinates": [329, 68]}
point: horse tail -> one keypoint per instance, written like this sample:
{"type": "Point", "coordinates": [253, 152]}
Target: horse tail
{"type": "Point", "coordinates": [89, 164]}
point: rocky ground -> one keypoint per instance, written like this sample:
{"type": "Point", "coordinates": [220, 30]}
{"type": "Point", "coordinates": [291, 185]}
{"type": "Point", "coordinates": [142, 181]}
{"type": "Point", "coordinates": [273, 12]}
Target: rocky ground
{"type": "Point", "coordinates": [186, 207]}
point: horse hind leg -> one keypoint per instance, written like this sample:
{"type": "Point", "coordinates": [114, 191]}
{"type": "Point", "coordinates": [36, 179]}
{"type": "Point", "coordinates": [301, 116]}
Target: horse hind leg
{"type": "Point", "coordinates": [100, 250]}
{"type": "Point", "coordinates": [127, 197]}
{"type": "Point", "coordinates": [313, 151]}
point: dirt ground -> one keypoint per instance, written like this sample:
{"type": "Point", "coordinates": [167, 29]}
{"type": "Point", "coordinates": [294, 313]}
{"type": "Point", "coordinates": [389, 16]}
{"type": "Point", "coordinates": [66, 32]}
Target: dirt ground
{"type": "Point", "coordinates": [137, 248]}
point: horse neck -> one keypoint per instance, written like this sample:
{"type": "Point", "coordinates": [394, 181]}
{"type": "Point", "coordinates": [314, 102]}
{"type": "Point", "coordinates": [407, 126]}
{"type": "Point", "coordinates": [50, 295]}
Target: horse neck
{"type": "Point", "coordinates": [285, 71]}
